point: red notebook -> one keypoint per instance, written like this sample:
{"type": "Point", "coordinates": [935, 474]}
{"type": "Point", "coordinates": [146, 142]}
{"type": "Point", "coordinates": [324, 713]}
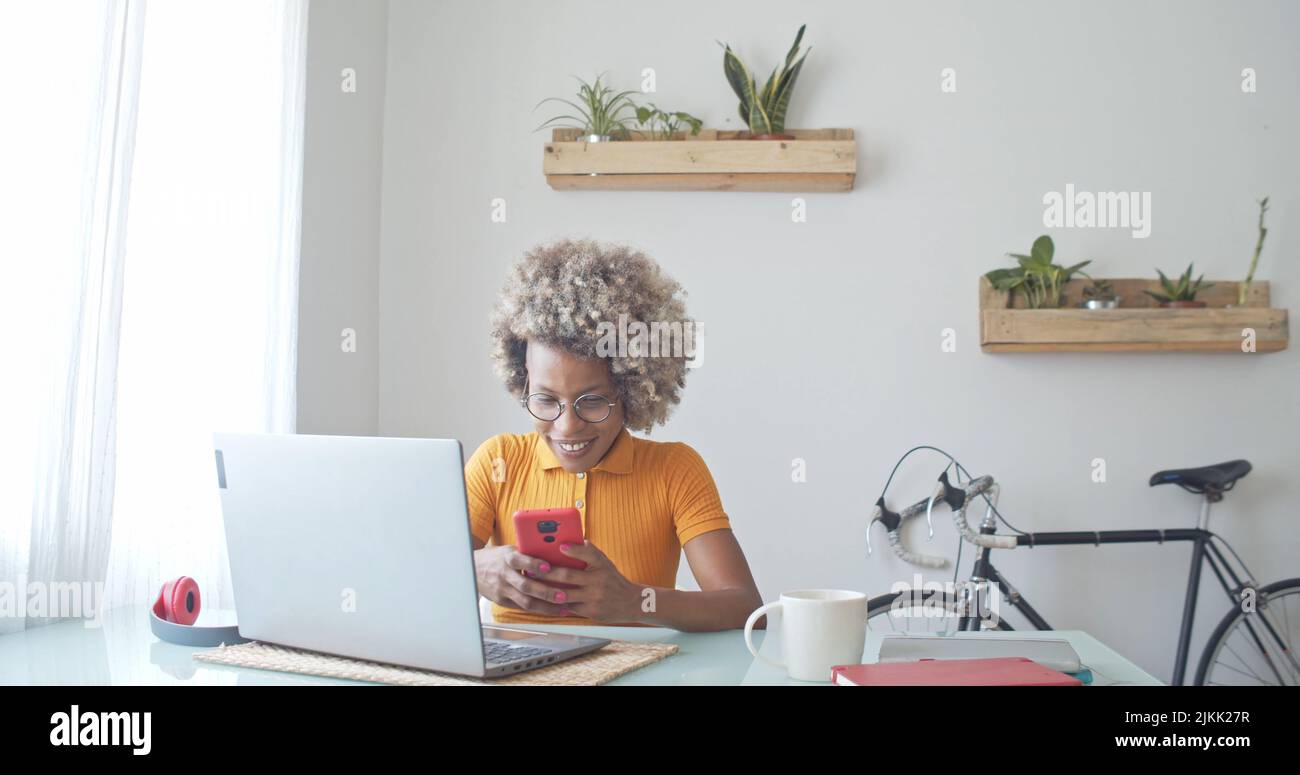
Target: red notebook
{"type": "Point", "coordinates": [1002, 671]}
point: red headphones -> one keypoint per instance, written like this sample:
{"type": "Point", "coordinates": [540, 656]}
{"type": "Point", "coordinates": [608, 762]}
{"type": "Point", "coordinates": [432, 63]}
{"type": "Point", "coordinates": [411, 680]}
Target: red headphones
{"type": "Point", "coordinates": [179, 601]}
{"type": "Point", "coordinates": [175, 611]}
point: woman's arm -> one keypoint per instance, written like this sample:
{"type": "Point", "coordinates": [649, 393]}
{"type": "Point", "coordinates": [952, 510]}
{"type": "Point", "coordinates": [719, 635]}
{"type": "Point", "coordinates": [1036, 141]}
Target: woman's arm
{"type": "Point", "coordinates": [727, 596]}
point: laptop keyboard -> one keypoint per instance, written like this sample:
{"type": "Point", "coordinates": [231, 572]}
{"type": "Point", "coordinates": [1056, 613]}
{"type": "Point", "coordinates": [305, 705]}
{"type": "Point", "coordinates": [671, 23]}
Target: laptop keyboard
{"type": "Point", "coordinates": [498, 652]}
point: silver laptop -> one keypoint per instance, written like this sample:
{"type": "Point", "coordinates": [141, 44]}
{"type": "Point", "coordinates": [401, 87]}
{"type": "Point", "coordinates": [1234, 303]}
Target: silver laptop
{"type": "Point", "coordinates": [360, 546]}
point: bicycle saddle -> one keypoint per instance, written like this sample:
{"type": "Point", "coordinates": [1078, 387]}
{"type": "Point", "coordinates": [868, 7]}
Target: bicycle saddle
{"type": "Point", "coordinates": [1216, 478]}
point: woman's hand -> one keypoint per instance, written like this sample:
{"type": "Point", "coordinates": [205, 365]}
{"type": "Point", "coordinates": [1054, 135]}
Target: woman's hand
{"type": "Point", "coordinates": [500, 571]}
{"type": "Point", "coordinates": [603, 594]}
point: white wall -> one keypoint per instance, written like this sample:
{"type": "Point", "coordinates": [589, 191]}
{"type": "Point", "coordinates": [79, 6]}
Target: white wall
{"type": "Point", "coordinates": [823, 338]}
{"type": "Point", "coordinates": [339, 390]}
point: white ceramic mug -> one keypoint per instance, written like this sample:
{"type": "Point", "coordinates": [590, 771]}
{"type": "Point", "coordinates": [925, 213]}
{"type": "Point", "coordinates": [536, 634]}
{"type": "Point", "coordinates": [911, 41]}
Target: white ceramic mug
{"type": "Point", "coordinates": [820, 628]}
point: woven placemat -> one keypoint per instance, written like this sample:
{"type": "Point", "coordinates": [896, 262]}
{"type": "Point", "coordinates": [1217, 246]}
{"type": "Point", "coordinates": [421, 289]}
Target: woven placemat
{"type": "Point", "coordinates": [601, 666]}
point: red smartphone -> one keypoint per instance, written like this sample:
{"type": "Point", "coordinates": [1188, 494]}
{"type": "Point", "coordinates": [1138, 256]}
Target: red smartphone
{"type": "Point", "coordinates": [539, 533]}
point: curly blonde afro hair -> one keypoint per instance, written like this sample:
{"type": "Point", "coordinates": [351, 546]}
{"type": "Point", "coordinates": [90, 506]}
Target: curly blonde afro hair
{"type": "Point", "coordinates": [560, 294]}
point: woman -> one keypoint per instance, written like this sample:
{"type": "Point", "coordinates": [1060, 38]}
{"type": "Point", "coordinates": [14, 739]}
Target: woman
{"type": "Point", "coordinates": [642, 502]}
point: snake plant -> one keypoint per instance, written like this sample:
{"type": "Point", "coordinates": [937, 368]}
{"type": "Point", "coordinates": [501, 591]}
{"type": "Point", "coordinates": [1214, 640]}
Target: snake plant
{"type": "Point", "coordinates": [1183, 290]}
{"type": "Point", "coordinates": [764, 111]}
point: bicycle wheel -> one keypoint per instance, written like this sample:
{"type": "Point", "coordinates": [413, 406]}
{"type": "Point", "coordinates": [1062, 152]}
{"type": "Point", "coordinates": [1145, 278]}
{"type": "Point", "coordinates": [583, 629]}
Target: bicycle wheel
{"type": "Point", "coordinates": [930, 612]}
{"type": "Point", "coordinates": [1256, 648]}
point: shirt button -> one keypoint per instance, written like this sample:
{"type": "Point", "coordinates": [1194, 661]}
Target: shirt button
{"type": "Point", "coordinates": [578, 504]}
{"type": "Point", "coordinates": [582, 475]}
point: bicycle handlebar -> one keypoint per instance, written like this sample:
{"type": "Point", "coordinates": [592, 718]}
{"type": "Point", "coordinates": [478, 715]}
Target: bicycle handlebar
{"type": "Point", "coordinates": [957, 498]}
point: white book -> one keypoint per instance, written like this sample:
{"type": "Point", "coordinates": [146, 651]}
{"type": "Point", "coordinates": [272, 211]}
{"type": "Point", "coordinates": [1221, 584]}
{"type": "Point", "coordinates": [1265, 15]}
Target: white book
{"type": "Point", "coordinates": [1054, 653]}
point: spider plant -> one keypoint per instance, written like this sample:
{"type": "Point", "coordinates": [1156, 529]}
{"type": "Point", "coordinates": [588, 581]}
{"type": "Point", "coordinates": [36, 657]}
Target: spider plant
{"type": "Point", "coordinates": [1037, 277]}
{"type": "Point", "coordinates": [1181, 293]}
{"type": "Point", "coordinates": [601, 111]}
{"type": "Point", "coordinates": [664, 125]}
{"type": "Point", "coordinates": [764, 111]}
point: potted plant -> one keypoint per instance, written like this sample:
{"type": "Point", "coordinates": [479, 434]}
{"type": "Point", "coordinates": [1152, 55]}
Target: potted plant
{"type": "Point", "coordinates": [1100, 294]}
{"type": "Point", "coordinates": [603, 114]}
{"type": "Point", "coordinates": [1182, 293]}
{"type": "Point", "coordinates": [665, 125]}
{"type": "Point", "coordinates": [764, 111]}
{"type": "Point", "coordinates": [1243, 289]}
{"type": "Point", "coordinates": [1037, 277]}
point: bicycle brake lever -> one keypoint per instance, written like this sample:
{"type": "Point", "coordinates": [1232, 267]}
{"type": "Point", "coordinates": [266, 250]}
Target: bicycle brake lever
{"type": "Point", "coordinates": [929, 508]}
{"type": "Point", "coordinates": [875, 515]}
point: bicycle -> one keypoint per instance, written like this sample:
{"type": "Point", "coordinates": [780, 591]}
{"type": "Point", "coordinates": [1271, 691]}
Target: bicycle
{"type": "Point", "coordinates": [1260, 614]}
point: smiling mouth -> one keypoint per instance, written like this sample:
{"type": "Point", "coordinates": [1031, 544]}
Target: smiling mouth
{"type": "Point", "coordinates": [577, 446]}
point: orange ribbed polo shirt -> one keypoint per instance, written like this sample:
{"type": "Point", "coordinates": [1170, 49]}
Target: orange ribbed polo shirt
{"type": "Point", "coordinates": [640, 504]}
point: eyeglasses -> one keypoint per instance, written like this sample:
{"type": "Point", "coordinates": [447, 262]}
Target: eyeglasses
{"type": "Point", "coordinates": [591, 407]}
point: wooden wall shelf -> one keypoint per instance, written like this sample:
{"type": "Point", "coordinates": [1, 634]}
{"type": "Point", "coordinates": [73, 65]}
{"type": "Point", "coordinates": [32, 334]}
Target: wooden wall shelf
{"type": "Point", "coordinates": [818, 160]}
{"type": "Point", "coordinates": [1139, 324]}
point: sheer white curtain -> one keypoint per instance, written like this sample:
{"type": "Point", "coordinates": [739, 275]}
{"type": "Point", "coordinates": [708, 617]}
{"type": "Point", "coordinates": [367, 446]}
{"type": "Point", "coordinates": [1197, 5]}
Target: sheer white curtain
{"type": "Point", "coordinates": [66, 155]}
{"type": "Point", "coordinates": [197, 256]}
{"type": "Point", "coordinates": [209, 325]}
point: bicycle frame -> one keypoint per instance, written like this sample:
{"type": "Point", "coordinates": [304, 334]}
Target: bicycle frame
{"type": "Point", "coordinates": [1203, 551]}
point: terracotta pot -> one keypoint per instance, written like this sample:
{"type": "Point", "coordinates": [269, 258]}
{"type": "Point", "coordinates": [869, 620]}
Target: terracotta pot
{"type": "Point", "coordinates": [771, 137]}
{"type": "Point", "coordinates": [1182, 304]}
